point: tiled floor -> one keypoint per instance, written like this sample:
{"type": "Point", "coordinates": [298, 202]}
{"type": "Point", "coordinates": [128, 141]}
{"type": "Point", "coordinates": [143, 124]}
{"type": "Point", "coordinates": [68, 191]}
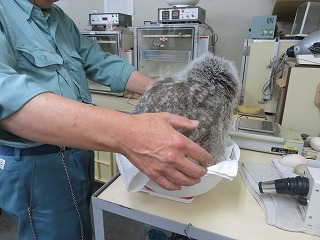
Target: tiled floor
{"type": "Point", "coordinates": [121, 228]}
{"type": "Point", "coordinates": [117, 228]}
{"type": "Point", "coordinates": [8, 227]}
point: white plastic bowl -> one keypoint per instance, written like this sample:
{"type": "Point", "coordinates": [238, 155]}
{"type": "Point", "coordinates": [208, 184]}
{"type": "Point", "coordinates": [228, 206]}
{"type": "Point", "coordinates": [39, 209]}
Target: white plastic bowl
{"type": "Point", "coordinates": [182, 3]}
{"type": "Point", "coordinates": [208, 181]}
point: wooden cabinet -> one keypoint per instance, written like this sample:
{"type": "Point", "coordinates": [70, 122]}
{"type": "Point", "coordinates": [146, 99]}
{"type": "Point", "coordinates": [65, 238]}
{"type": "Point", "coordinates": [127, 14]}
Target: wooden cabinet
{"type": "Point", "coordinates": [296, 107]}
{"type": "Point", "coordinates": [255, 70]}
{"type": "Point", "coordinates": [105, 166]}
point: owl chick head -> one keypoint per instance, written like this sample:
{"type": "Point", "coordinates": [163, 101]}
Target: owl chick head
{"type": "Point", "coordinates": [217, 73]}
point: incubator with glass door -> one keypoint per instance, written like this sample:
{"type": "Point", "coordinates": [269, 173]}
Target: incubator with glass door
{"type": "Point", "coordinates": [163, 49]}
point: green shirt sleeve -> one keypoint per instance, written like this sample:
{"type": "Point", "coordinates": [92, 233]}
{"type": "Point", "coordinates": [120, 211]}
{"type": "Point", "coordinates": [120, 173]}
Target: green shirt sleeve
{"type": "Point", "coordinates": [40, 55]}
{"type": "Point", "coordinates": [15, 89]}
{"type": "Point", "coordinates": [101, 67]}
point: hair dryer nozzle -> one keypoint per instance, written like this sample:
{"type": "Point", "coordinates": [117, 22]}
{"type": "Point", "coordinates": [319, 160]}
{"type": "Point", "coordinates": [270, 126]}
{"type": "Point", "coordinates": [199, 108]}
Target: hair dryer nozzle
{"type": "Point", "coordinates": [298, 186]}
{"type": "Point", "coordinates": [290, 52]}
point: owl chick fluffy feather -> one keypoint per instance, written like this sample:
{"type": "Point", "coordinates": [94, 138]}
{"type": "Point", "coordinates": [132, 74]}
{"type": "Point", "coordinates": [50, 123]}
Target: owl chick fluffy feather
{"type": "Point", "coordinates": [205, 90]}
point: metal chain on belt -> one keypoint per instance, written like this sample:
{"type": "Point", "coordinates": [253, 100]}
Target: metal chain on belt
{"type": "Point", "coordinates": [32, 225]}
{"type": "Point", "coordinates": [62, 154]}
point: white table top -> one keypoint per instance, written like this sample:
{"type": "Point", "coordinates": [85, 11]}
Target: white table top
{"type": "Point", "coordinates": [114, 102]}
{"type": "Point", "coordinates": [229, 209]}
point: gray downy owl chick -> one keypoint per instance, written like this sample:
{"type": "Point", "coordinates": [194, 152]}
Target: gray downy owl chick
{"type": "Point", "coordinates": [205, 90]}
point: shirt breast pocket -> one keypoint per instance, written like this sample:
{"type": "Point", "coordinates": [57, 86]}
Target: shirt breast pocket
{"type": "Point", "coordinates": [38, 57]}
{"type": "Point", "coordinates": [75, 61]}
{"type": "Point", "coordinates": [75, 67]}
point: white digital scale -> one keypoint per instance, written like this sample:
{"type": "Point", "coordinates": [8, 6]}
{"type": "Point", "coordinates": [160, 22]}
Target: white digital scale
{"type": "Point", "coordinates": [265, 136]}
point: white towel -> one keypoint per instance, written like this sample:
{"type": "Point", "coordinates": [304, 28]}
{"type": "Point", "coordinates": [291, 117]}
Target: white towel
{"type": "Point", "coordinates": [134, 180]}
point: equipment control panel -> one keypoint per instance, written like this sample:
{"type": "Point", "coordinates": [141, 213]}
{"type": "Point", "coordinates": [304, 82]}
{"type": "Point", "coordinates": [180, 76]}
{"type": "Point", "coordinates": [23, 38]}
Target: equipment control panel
{"type": "Point", "coordinates": [181, 14]}
{"type": "Point", "coordinates": [117, 19]}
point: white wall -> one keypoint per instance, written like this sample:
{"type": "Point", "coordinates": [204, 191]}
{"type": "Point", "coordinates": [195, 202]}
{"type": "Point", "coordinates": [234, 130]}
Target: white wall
{"type": "Point", "coordinates": [230, 19]}
{"type": "Point", "coordinates": [79, 10]}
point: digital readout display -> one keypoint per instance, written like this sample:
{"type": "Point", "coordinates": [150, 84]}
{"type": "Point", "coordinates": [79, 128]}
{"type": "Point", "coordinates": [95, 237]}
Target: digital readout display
{"type": "Point", "coordinates": [165, 14]}
{"type": "Point", "coordinates": [175, 14]}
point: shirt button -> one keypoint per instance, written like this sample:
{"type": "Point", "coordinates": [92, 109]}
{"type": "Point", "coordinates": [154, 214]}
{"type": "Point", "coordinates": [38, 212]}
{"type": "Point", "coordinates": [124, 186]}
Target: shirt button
{"type": "Point", "coordinates": [35, 10]}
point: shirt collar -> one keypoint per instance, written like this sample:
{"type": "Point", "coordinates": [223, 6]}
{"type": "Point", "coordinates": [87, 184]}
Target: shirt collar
{"type": "Point", "coordinates": [27, 7]}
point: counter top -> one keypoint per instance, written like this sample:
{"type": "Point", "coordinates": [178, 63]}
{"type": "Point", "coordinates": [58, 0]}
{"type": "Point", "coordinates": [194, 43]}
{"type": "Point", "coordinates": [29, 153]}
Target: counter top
{"type": "Point", "coordinates": [229, 210]}
{"type": "Point", "coordinates": [122, 104]}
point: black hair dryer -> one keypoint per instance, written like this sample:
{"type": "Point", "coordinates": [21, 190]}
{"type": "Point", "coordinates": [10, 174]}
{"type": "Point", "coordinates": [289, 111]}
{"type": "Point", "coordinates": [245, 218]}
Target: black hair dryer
{"type": "Point", "coordinates": [298, 186]}
{"type": "Point", "coordinates": [307, 188]}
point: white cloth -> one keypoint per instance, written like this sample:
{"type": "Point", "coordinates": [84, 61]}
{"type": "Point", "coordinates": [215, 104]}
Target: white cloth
{"type": "Point", "coordinates": [134, 180]}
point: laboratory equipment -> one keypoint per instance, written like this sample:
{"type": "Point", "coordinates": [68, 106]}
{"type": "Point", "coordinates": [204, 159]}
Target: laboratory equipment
{"type": "Point", "coordinates": [307, 189]}
{"type": "Point", "coordinates": [257, 64]}
{"type": "Point", "coordinates": [114, 42]}
{"type": "Point", "coordinates": [117, 40]}
{"type": "Point", "coordinates": [263, 27]}
{"type": "Point", "coordinates": [108, 21]}
{"type": "Point", "coordinates": [181, 15]}
{"type": "Point", "coordinates": [307, 18]}
{"type": "Point", "coordinates": [181, 11]}
{"type": "Point", "coordinates": [265, 136]}
{"type": "Point", "coordinates": [182, 3]}
{"type": "Point", "coordinates": [164, 49]}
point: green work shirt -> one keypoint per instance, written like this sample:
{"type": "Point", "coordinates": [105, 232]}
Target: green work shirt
{"type": "Point", "coordinates": [43, 51]}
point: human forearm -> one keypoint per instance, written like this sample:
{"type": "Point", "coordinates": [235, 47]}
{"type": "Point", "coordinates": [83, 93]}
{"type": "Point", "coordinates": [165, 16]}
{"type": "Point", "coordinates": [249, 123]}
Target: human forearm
{"type": "Point", "coordinates": [138, 82]}
{"type": "Point", "coordinates": [149, 141]}
{"type": "Point", "coordinates": [49, 118]}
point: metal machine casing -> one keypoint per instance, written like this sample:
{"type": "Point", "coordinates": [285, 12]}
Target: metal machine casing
{"type": "Point", "coordinates": [282, 141]}
{"type": "Point", "coordinates": [114, 42]}
{"type": "Point", "coordinates": [181, 15]}
{"type": "Point", "coordinates": [117, 19]}
{"type": "Point", "coordinates": [164, 49]}
{"type": "Point", "coordinates": [311, 212]}
{"type": "Point", "coordinates": [263, 27]}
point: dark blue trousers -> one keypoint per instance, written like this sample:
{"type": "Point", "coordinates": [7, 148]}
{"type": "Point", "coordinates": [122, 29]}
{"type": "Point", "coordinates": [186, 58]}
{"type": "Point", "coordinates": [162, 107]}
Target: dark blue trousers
{"type": "Point", "coordinates": [36, 191]}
